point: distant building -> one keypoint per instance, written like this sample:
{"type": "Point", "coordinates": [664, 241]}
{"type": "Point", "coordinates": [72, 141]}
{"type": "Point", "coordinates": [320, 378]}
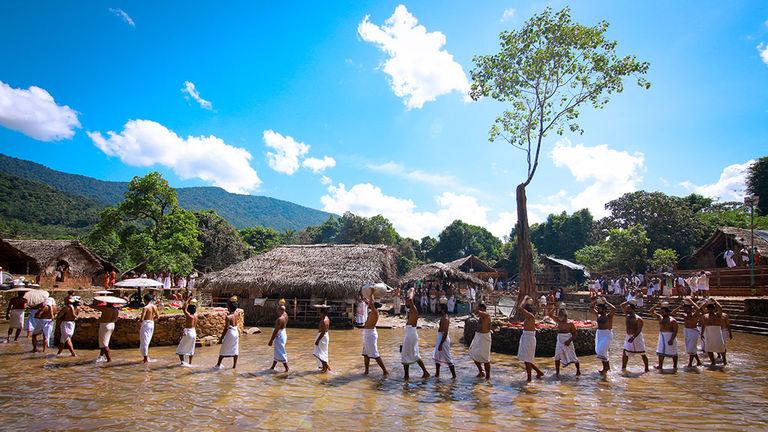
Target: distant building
{"type": "Point", "coordinates": [475, 266]}
{"type": "Point", "coordinates": [710, 254]}
{"type": "Point", "coordinates": [560, 273]}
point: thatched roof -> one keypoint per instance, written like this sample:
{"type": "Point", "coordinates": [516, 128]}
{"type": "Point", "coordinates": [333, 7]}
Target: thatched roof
{"type": "Point", "coordinates": [471, 262]}
{"type": "Point", "coordinates": [735, 238]}
{"type": "Point", "coordinates": [45, 253]}
{"type": "Point", "coordinates": [443, 272]}
{"type": "Point", "coordinates": [305, 271]}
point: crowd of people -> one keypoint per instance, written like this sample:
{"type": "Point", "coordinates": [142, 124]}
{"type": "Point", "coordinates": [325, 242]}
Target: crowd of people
{"type": "Point", "coordinates": [667, 284]}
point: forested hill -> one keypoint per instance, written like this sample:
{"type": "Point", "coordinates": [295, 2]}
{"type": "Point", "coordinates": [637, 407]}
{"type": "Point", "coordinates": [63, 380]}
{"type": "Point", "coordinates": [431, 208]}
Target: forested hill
{"type": "Point", "coordinates": [240, 210]}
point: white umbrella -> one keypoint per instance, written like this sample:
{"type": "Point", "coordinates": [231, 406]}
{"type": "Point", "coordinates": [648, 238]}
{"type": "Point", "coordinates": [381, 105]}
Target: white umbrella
{"type": "Point", "coordinates": [19, 289]}
{"type": "Point", "coordinates": [110, 299]}
{"type": "Point", "coordinates": [103, 292]}
{"type": "Point", "coordinates": [36, 297]}
{"type": "Point", "coordinates": [139, 283]}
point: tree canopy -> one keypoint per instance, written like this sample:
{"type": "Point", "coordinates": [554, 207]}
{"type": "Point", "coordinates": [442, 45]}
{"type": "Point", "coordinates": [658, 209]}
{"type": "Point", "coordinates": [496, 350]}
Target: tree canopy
{"type": "Point", "coordinates": [222, 245]}
{"type": "Point", "coordinates": [460, 239]}
{"type": "Point", "coordinates": [562, 235]}
{"type": "Point", "coordinates": [757, 183]}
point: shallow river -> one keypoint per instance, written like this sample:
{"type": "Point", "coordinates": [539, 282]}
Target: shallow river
{"type": "Point", "coordinates": [46, 393]}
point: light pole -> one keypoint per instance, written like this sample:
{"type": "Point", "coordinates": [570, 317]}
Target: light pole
{"type": "Point", "coordinates": [752, 201]}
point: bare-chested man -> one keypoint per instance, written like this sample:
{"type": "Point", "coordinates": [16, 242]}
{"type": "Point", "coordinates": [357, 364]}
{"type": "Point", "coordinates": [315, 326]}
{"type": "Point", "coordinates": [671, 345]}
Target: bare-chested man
{"type": "Point", "coordinates": [66, 319]}
{"type": "Point", "coordinates": [442, 353]}
{"type": "Point", "coordinates": [480, 348]}
{"type": "Point", "coordinates": [371, 338]}
{"type": "Point", "coordinates": [604, 312]}
{"type": "Point", "coordinates": [634, 343]}
{"type": "Point", "coordinates": [44, 324]}
{"type": "Point", "coordinates": [189, 336]}
{"type": "Point", "coordinates": [323, 340]}
{"type": "Point", "coordinates": [109, 314]}
{"type": "Point", "coordinates": [691, 330]}
{"type": "Point", "coordinates": [279, 338]}
{"type": "Point", "coordinates": [409, 351]}
{"type": "Point", "coordinates": [667, 346]}
{"type": "Point", "coordinates": [230, 336]}
{"type": "Point", "coordinates": [565, 353]}
{"type": "Point", "coordinates": [149, 315]}
{"type": "Point", "coordinates": [14, 313]}
{"type": "Point", "coordinates": [712, 324]}
{"type": "Point", "coordinates": [526, 350]}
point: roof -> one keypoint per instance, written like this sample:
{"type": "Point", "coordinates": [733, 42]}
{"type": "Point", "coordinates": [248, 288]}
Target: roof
{"type": "Point", "coordinates": [738, 235]}
{"type": "Point", "coordinates": [44, 252]}
{"type": "Point", "coordinates": [471, 262]}
{"type": "Point", "coordinates": [441, 271]}
{"type": "Point", "coordinates": [564, 262]}
{"type": "Point", "coordinates": [306, 271]}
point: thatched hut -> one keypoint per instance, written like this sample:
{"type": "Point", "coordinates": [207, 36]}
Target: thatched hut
{"type": "Point", "coordinates": [303, 275]}
{"type": "Point", "coordinates": [559, 273]}
{"type": "Point", "coordinates": [451, 278]}
{"type": "Point", "coordinates": [62, 264]}
{"type": "Point", "coordinates": [710, 254]}
{"type": "Point", "coordinates": [475, 266]}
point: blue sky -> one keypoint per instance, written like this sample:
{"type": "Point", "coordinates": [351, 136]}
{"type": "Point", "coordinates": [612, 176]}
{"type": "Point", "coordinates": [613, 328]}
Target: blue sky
{"type": "Point", "coordinates": [315, 104]}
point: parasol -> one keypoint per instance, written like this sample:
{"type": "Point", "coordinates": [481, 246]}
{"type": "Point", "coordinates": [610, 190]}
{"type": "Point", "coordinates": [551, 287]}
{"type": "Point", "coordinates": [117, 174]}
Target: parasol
{"type": "Point", "coordinates": [110, 299]}
{"type": "Point", "coordinates": [103, 292]}
{"type": "Point", "coordinates": [139, 283]}
{"type": "Point", "coordinates": [36, 296]}
{"type": "Point", "coordinates": [19, 289]}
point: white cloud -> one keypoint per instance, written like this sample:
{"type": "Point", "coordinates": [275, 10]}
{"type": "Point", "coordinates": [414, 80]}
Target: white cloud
{"type": "Point", "coordinates": [191, 91]}
{"type": "Point", "coordinates": [730, 186]}
{"type": "Point", "coordinates": [34, 113]}
{"type": "Point", "coordinates": [288, 151]}
{"type": "Point", "coordinates": [325, 180]}
{"type": "Point", "coordinates": [419, 68]}
{"type": "Point", "coordinates": [507, 15]}
{"type": "Point", "coordinates": [368, 200]}
{"type": "Point", "coordinates": [763, 50]}
{"type": "Point", "coordinates": [125, 17]}
{"type": "Point", "coordinates": [434, 179]}
{"type": "Point", "coordinates": [319, 165]}
{"type": "Point", "coordinates": [148, 143]}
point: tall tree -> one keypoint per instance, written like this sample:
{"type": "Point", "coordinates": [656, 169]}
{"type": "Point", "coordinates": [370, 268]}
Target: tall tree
{"type": "Point", "coordinates": [547, 71]}
{"type": "Point", "coordinates": [261, 239]}
{"type": "Point", "coordinates": [562, 235]}
{"type": "Point", "coordinates": [358, 230]}
{"type": "Point", "coordinates": [629, 248]}
{"type": "Point", "coordinates": [757, 183]}
{"type": "Point", "coordinates": [222, 245]}
{"type": "Point", "coordinates": [460, 239]}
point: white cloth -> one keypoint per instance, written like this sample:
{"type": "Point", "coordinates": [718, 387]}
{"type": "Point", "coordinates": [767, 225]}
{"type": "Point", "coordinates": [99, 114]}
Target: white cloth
{"type": "Point", "coordinates": [663, 348]}
{"type": "Point", "coordinates": [526, 349]}
{"type": "Point", "coordinates": [451, 304]}
{"type": "Point", "coordinates": [167, 282]}
{"type": "Point", "coordinates": [187, 342]}
{"type": "Point", "coordinates": [31, 320]}
{"type": "Point", "coordinates": [145, 336]}
{"type": "Point", "coordinates": [480, 348]}
{"type": "Point", "coordinates": [713, 340]}
{"type": "Point", "coordinates": [729, 259]}
{"type": "Point", "coordinates": [362, 313]}
{"type": "Point", "coordinates": [703, 283]}
{"type": "Point", "coordinates": [603, 339]}
{"type": "Point", "coordinates": [44, 327]}
{"type": "Point", "coordinates": [637, 346]}
{"type": "Point", "coordinates": [17, 319]}
{"type": "Point", "coordinates": [565, 353]}
{"type": "Point", "coordinates": [321, 350]}
{"type": "Point", "coordinates": [371, 343]}
{"type": "Point", "coordinates": [105, 334]}
{"type": "Point", "coordinates": [725, 337]}
{"type": "Point", "coordinates": [230, 344]}
{"type": "Point", "coordinates": [398, 303]}
{"type": "Point", "coordinates": [691, 340]}
{"type": "Point", "coordinates": [443, 356]}
{"type": "Point", "coordinates": [67, 330]}
{"type": "Point", "coordinates": [409, 352]}
{"type": "Point", "coordinates": [279, 346]}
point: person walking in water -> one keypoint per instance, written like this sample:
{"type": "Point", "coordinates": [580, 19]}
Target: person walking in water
{"type": "Point", "coordinates": [442, 354]}
{"type": "Point", "coordinates": [667, 346]}
{"type": "Point", "coordinates": [604, 312]}
{"type": "Point", "coordinates": [371, 338]}
{"type": "Point", "coordinates": [14, 313]}
{"type": "Point", "coordinates": [480, 348]}
{"type": "Point", "coordinates": [230, 337]}
{"type": "Point", "coordinates": [712, 324]}
{"type": "Point", "coordinates": [323, 339]}
{"type": "Point", "coordinates": [692, 315]}
{"type": "Point", "coordinates": [148, 317]}
{"type": "Point", "coordinates": [66, 318]}
{"type": "Point", "coordinates": [109, 315]}
{"type": "Point", "coordinates": [279, 338]}
{"type": "Point", "coordinates": [409, 350]}
{"type": "Point", "coordinates": [634, 343]}
{"type": "Point", "coordinates": [565, 354]}
{"type": "Point", "coordinates": [189, 336]}
{"type": "Point", "coordinates": [526, 350]}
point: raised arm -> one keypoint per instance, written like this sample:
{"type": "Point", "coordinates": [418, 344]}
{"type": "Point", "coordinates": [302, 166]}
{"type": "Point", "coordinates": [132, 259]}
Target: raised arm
{"type": "Point", "coordinates": [184, 308]}
{"type": "Point", "coordinates": [522, 308]}
{"type": "Point", "coordinates": [653, 312]}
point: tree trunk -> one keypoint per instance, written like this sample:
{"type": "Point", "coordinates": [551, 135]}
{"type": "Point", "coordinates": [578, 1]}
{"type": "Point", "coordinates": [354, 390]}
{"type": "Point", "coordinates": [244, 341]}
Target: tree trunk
{"type": "Point", "coordinates": [525, 280]}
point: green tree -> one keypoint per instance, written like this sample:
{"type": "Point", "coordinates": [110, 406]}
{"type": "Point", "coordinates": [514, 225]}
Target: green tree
{"type": "Point", "coordinates": [757, 183]}
{"type": "Point", "coordinates": [663, 259]}
{"type": "Point", "coordinates": [261, 239]}
{"type": "Point", "coordinates": [222, 245]}
{"type": "Point", "coordinates": [629, 248]}
{"type": "Point", "coordinates": [460, 239]}
{"type": "Point", "coordinates": [426, 245]}
{"type": "Point", "coordinates": [562, 235]}
{"type": "Point", "coordinates": [547, 71]}
{"type": "Point", "coordinates": [597, 257]}
{"type": "Point", "coordinates": [361, 230]}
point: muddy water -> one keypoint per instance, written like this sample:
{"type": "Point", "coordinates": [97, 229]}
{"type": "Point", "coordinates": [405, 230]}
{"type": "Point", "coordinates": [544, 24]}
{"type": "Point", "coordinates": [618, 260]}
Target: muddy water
{"type": "Point", "coordinates": [44, 393]}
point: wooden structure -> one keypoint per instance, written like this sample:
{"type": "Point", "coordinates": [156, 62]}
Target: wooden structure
{"type": "Point", "coordinates": [710, 254]}
{"type": "Point", "coordinates": [476, 267]}
{"type": "Point", "coordinates": [62, 264]}
{"type": "Point", "coordinates": [439, 272]}
{"type": "Point", "coordinates": [559, 273]}
{"type": "Point", "coordinates": [303, 275]}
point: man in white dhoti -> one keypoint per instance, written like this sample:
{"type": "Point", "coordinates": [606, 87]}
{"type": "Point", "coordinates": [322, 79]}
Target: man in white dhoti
{"type": "Point", "coordinates": [280, 338]}
{"type": "Point", "coordinates": [167, 281]}
{"type": "Point", "coordinates": [14, 313]}
{"type": "Point", "coordinates": [371, 338]}
{"type": "Point", "coordinates": [667, 345]}
{"type": "Point", "coordinates": [728, 255]}
{"type": "Point", "coordinates": [480, 348]}
{"type": "Point", "coordinates": [397, 301]}
{"type": "Point", "coordinates": [409, 350]}
{"type": "Point", "coordinates": [66, 319]}
{"type": "Point", "coordinates": [711, 331]}
{"type": "Point", "coordinates": [704, 284]}
{"type": "Point", "coordinates": [634, 343]}
{"type": "Point", "coordinates": [727, 333]}
{"type": "Point", "coordinates": [442, 354]}
{"type": "Point", "coordinates": [526, 350]}
{"type": "Point", "coordinates": [604, 312]}
{"type": "Point", "coordinates": [361, 314]}
{"type": "Point", "coordinates": [690, 329]}
{"type": "Point", "coordinates": [189, 334]}
{"type": "Point", "coordinates": [323, 340]}
{"type": "Point", "coordinates": [230, 337]}
{"type": "Point", "coordinates": [149, 315]}
{"type": "Point", "coordinates": [565, 353]}
{"type": "Point", "coordinates": [44, 324]}
{"type": "Point", "coordinates": [109, 314]}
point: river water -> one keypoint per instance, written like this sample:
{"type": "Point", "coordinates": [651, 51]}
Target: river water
{"type": "Point", "coordinates": [46, 393]}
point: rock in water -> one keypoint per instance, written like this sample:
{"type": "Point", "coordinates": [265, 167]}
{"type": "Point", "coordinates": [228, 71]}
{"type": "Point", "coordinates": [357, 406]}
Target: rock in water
{"type": "Point", "coordinates": [251, 330]}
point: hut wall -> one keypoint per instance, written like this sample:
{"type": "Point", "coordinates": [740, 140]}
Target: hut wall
{"type": "Point", "coordinates": [70, 282]}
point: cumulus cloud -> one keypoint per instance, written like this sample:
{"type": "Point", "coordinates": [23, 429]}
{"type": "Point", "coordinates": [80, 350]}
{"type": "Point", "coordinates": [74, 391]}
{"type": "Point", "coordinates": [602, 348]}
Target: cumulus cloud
{"type": "Point", "coordinates": [763, 50]}
{"type": "Point", "coordinates": [414, 175]}
{"type": "Point", "coordinates": [190, 90]}
{"type": "Point", "coordinates": [287, 153]}
{"type": "Point", "coordinates": [34, 113]}
{"type": "Point", "coordinates": [730, 187]}
{"type": "Point", "coordinates": [124, 16]}
{"type": "Point", "coordinates": [419, 68]}
{"type": "Point", "coordinates": [147, 143]}
{"type": "Point", "coordinates": [319, 165]}
{"type": "Point", "coordinates": [507, 15]}
{"type": "Point", "coordinates": [366, 199]}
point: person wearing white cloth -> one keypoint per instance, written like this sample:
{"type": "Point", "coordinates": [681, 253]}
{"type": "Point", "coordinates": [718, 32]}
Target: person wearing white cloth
{"type": "Point", "coordinates": [634, 343]}
{"type": "Point", "coordinates": [711, 331]}
{"type": "Point", "coordinates": [189, 336]}
{"type": "Point", "coordinates": [480, 348]}
{"type": "Point", "coordinates": [397, 301]}
{"type": "Point", "coordinates": [691, 317]}
{"type": "Point", "coordinates": [148, 317]}
{"type": "Point", "coordinates": [66, 319]}
{"type": "Point", "coordinates": [668, 328]}
{"type": "Point", "coordinates": [526, 350]}
{"type": "Point", "coordinates": [409, 350]}
{"type": "Point", "coordinates": [14, 313]}
{"type": "Point", "coordinates": [565, 353]}
{"type": "Point", "coordinates": [279, 338]}
{"type": "Point", "coordinates": [323, 339]}
{"type": "Point", "coordinates": [728, 255]}
{"type": "Point", "coordinates": [727, 333]}
{"type": "Point", "coordinates": [604, 312]}
{"type": "Point", "coordinates": [361, 314]}
{"type": "Point", "coordinates": [371, 338]}
{"type": "Point", "coordinates": [230, 337]}
{"type": "Point", "coordinates": [109, 314]}
{"type": "Point", "coordinates": [44, 323]}
{"type": "Point", "coordinates": [442, 354]}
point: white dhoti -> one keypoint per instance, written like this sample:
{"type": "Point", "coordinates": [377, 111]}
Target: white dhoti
{"type": "Point", "coordinates": [725, 338]}
{"type": "Point", "coordinates": [637, 346]}
{"type": "Point", "coordinates": [566, 354]}
{"type": "Point", "coordinates": [663, 348]}
{"type": "Point", "coordinates": [526, 349]}
{"type": "Point", "coordinates": [371, 343]}
{"type": "Point", "coordinates": [145, 336]}
{"type": "Point", "coordinates": [480, 348]}
{"type": "Point", "coordinates": [603, 339]}
{"type": "Point", "coordinates": [230, 344]}
{"type": "Point", "coordinates": [409, 352]}
{"type": "Point", "coordinates": [31, 320]}
{"type": "Point", "coordinates": [279, 346]}
{"type": "Point", "coordinates": [187, 344]}
{"type": "Point", "coordinates": [713, 340]}
{"type": "Point", "coordinates": [691, 340]}
{"type": "Point", "coordinates": [398, 305]}
{"type": "Point", "coordinates": [17, 319]}
{"type": "Point", "coordinates": [321, 350]}
{"type": "Point", "coordinates": [443, 356]}
{"type": "Point", "coordinates": [44, 326]}
{"type": "Point", "coordinates": [105, 334]}
{"type": "Point", "coordinates": [67, 330]}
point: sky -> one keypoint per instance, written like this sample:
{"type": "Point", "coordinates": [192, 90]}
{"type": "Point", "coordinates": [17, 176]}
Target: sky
{"type": "Point", "coordinates": [362, 106]}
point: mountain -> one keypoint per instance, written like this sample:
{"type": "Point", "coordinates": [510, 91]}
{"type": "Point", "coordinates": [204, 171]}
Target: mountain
{"type": "Point", "coordinates": [240, 210]}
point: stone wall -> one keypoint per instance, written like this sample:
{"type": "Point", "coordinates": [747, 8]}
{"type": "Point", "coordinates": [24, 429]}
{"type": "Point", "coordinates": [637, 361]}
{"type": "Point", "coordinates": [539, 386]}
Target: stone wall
{"type": "Point", "coordinates": [58, 295]}
{"type": "Point", "coordinates": [506, 339]}
{"type": "Point", "coordinates": [756, 307]}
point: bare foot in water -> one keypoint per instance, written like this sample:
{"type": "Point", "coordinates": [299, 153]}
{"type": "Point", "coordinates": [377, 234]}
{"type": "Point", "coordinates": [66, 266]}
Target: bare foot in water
{"type": "Point", "coordinates": [539, 375]}
{"type": "Point", "coordinates": [480, 375]}
{"type": "Point", "coordinates": [425, 375]}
